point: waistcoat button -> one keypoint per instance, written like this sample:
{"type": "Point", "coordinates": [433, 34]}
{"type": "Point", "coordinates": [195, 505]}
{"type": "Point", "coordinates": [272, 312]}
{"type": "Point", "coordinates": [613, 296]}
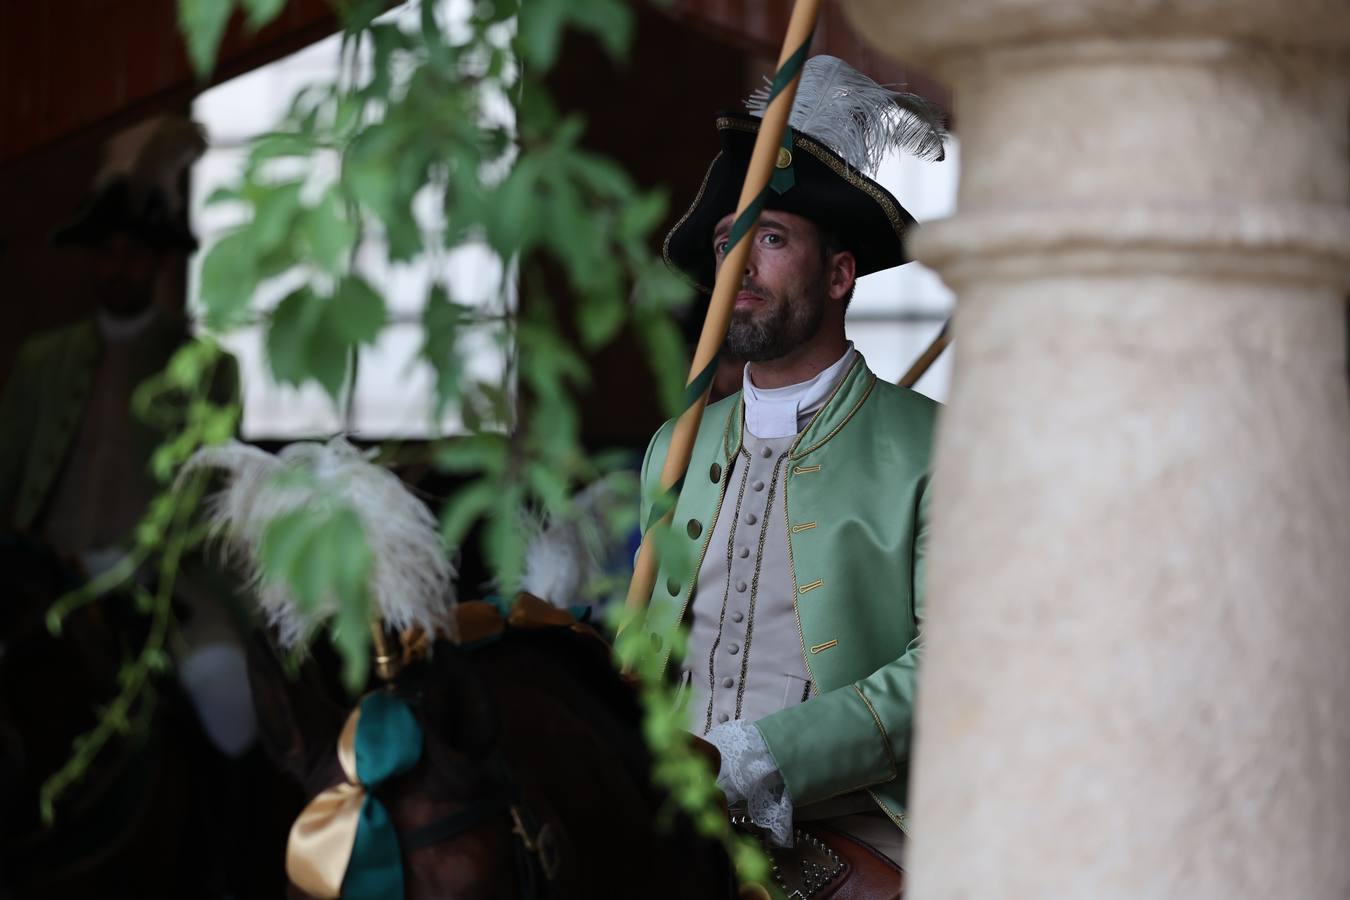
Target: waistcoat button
{"type": "Point", "coordinates": [673, 586]}
{"type": "Point", "coordinates": [714, 473]}
{"type": "Point", "coordinates": [694, 529]}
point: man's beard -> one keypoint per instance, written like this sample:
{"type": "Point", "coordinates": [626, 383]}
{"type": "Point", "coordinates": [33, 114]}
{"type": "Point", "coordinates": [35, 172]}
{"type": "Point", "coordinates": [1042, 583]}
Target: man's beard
{"type": "Point", "coordinates": [786, 324]}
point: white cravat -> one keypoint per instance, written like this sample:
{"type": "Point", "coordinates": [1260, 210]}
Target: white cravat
{"type": "Point", "coordinates": [120, 329]}
{"type": "Point", "coordinates": [780, 412]}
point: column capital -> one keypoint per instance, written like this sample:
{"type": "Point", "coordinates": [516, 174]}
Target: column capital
{"type": "Point", "coordinates": [929, 32]}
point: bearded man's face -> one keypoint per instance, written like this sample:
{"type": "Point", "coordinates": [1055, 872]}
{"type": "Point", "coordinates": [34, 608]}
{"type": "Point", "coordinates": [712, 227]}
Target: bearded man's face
{"type": "Point", "coordinates": [783, 293]}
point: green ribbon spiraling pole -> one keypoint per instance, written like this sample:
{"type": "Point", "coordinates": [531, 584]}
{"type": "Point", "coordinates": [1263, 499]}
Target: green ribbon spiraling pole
{"type": "Point", "coordinates": [388, 743]}
{"type": "Point", "coordinates": [781, 79]}
{"type": "Point", "coordinates": [694, 391]}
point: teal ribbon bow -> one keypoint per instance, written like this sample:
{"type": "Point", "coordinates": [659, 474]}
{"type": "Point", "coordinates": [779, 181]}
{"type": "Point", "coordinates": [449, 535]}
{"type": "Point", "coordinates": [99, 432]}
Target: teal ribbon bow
{"type": "Point", "coordinates": [388, 743]}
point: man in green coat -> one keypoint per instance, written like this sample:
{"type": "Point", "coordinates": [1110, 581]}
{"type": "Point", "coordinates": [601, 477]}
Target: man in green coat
{"type": "Point", "coordinates": [804, 505]}
{"type": "Point", "coordinates": [75, 459]}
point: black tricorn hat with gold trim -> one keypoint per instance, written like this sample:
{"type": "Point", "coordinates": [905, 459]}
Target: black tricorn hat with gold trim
{"type": "Point", "coordinates": [842, 125]}
{"type": "Point", "coordinates": [138, 190]}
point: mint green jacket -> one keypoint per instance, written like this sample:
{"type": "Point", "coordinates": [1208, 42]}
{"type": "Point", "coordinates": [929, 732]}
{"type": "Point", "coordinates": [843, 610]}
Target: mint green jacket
{"type": "Point", "coordinates": [855, 496]}
{"type": "Point", "coordinates": [43, 404]}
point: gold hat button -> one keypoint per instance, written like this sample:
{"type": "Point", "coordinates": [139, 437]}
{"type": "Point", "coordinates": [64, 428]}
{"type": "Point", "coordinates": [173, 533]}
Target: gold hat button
{"type": "Point", "coordinates": [784, 158]}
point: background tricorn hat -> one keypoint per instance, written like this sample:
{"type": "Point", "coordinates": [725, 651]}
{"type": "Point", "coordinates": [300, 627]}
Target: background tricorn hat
{"type": "Point", "coordinates": [842, 126]}
{"type": "Point", "coordinates": [138, 191]}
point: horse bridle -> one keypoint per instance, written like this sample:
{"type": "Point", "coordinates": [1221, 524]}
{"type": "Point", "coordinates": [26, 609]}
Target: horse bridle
{"type": "Point", "coordinates": [537, 854]}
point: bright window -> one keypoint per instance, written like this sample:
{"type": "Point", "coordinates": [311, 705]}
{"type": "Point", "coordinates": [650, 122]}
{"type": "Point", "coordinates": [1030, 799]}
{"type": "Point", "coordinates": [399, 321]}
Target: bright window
{"type": "Point", "coordinates": [393, 391]}
{"type": "Point", "coordinates": [896, 314]}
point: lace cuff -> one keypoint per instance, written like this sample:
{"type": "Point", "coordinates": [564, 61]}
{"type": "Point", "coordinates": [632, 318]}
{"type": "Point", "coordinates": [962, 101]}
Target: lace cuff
{"type": "Point", "coordinates": [750, 776]}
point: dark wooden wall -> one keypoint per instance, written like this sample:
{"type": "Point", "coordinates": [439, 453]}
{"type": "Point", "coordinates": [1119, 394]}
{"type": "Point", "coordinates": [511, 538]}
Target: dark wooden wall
{"type": "Point", "coordinates": [758, 27]}
{"type": "Point", "coordinates": [655, 116]}
{"type": "Point", "coordinates": [72, 73]}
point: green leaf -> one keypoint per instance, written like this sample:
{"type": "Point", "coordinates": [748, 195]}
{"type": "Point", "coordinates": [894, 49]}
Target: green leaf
{"type": "Point", "coordinates": [515, 210]}
{"type": "Point", "coordinates": [329, 362]}
{"type": "Point", "coordinates": [357, 15]}
{"type": "Point", "coordinates": [328, 232]}
{"type": "Point", "coordinates": [600, 316]}
{"type": "Point", "coordinates": [668, 359]}
{"type": "Point", "coordinates": [351, 567]}
{"type": "Point", "coordinates": [187, 364]}
{"type": "Point", "coordinates": [229, 277]}
{"type": "Point", "coordinates": [608, 20]}
{"type": "Point", "coordinates": [641, 214]}
{"type": "Point", "coordinates": [351, 638]}
{"type": "Point", "coordinates": [224, 195]}
{"type": "Point", "coordinates": [504, 539]}
{"type": "Point", "coordinates": [480, 453]}
{"type": "Point", "coordinates": [356, 311]}
{"type": "Point", "coordinates": [203, 24]}
{"type": "Point", "coordinates": [465, 508]}
{"type": "Point", "coordinates": [288, 336]}
{"type": "Point", "coordinates": [278, 144]}
{"type": "Point", "coordinates": [273, 214]}
{"type": "Point", "coordinates": [261, 12]}
{"type": "Point", "coordinates": [283, 545]}
{"type": "Point", "coordinates": [539, 33]}
{"type": "Point", "coordinates": [441, 321]}
{"type": "Point", "coordinates": [550, 486]}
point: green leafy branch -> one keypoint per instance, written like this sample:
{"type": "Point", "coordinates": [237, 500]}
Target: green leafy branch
{"type": "Point", "coordinates": [179, 400]}
{"type": "Point", "coordinates": [450, 138]}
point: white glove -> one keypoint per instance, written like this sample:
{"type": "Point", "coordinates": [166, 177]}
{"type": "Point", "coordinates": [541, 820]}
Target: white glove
{"type": "Point", "coordinates": [750, 776]}
{"type": "Point", "coordinates": [215, 676]}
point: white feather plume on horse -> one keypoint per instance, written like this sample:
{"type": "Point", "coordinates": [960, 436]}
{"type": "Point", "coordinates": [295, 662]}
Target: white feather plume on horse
{"type": "Point", "coordinates": [411, 581]}
{"type": "Point", "coordinates": [568, 555]}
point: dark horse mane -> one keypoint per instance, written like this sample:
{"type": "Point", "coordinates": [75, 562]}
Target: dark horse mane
{"type": "Point", "coordinates": [538, 714]}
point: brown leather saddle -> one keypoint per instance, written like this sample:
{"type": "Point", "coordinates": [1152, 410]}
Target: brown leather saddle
{"type": "Point", "coordinates": [823, 864]}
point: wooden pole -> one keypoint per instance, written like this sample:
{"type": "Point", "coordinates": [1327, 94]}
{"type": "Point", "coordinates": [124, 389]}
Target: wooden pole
{"type": "Point", "coordinates": [800, 26]}
{"type": "Point", "coordinates": [928, 357]}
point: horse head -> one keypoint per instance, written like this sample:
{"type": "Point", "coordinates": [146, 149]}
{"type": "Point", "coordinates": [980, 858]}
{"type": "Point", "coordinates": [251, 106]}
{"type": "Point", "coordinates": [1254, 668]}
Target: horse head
{"type": "Point", "coordinates": [450, 810]}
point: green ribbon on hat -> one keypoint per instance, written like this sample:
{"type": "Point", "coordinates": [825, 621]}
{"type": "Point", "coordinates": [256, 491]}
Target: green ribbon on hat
{"type": "Point", "coordinates": [784, 175]}
{"type": "Point", "coordinates": [781, 79]}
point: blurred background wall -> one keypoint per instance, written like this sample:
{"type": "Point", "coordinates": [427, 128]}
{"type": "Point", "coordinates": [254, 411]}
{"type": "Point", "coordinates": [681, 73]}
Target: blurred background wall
{"type": "Point", "coordinates": [73, 73]}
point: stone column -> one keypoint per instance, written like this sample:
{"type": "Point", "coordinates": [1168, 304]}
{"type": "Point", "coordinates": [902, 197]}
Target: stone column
{"type": "Point", "coordinates": [1138, 672]}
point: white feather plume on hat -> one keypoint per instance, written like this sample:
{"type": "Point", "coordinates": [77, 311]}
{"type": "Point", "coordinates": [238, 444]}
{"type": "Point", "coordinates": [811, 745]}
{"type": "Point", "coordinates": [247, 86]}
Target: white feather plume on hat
{"type": "Point", "coordinates": [411, 577]}
{"type": "Point", "coordinates": [858, 118]}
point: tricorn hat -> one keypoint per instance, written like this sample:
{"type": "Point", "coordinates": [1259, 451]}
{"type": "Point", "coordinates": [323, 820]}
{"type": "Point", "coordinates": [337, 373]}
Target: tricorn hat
{"type": "Point", "coordinates": [138, 189]}
{"type": "Point", "coordinates": [841, 127]}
